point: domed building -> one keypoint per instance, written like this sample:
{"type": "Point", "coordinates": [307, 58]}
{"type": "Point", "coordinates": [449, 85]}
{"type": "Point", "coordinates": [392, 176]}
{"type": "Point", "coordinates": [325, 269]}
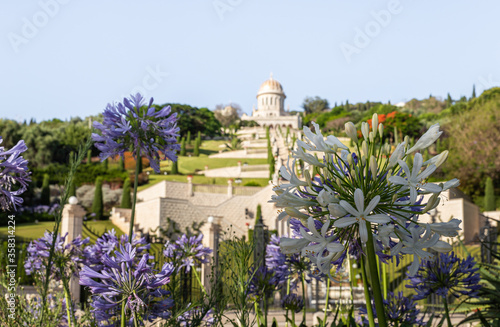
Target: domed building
{"type": "Point", "coordinates": [271, 107]}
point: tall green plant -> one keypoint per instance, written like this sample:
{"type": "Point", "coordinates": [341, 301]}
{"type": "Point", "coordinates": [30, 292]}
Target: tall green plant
{"type": "Point", "coordinates": [175, 168]}
{"type": "Point", "coordinates": [126, 199]}
{"type": "Point", "coordinates": [45, 196]}
{"type": "Point", "coordinates": [189, 138]}
{"type": "Point", "coordinates": [489, 196]}
{"type": "Point", "coordinates": [98, 204]}
{"type": "Point", "coordinates": [196, 151]}
{"type": "Point", "coordinates": [183, 147]}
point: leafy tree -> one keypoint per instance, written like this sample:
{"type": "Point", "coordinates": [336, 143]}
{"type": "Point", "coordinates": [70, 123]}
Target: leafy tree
{"type": "Point", "coordinates": [45, 196]}
{"type": "Point", "coordinates": [195, 119]}
{"type": "Point", "coordinates": [315, 104]}
{"type": "Point", "coordinates": [183, 147]}
{"type": "Point", "coordinates": [228, 115]}
{"type": "Point", "coordinates": [98, 204]}
{"type": "Point", "coordinates": [489, 196]}
{"type": "Point", "coordinates": [126, 201]}
{"type": "Point", "coordinates": [474, 142]}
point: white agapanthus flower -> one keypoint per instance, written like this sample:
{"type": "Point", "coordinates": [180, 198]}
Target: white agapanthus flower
{"type": "Point", "coordinates": [361, 215]}
{"type": "Point", "coordinates": [370, 195]}
{"type": "Point", "coordinates": [413, 180]}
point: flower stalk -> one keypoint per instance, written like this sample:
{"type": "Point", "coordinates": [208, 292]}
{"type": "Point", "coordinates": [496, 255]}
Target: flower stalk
{"type": "Point", "coordinates": [134, 199]}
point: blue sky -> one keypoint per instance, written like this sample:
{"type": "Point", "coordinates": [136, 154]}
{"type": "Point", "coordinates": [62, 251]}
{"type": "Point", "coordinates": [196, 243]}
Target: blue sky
{"type": "Point", "coordinates": [67, 58]}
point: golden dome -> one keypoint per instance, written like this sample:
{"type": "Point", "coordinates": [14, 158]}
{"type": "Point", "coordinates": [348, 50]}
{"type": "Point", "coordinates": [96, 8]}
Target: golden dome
{"type": "Point", "coordinates": [271, 86]}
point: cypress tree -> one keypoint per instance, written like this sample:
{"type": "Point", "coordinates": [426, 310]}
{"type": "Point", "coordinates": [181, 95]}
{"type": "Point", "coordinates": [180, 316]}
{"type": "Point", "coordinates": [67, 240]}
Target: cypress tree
{"type": "Point", "coordinates": [126, 199]}
{"type": "Point", "coordinates": [189, 138]}
{"type": "Point", "coordinates": [89, 157]}
{"type": "Point", "coordinates": [196, 151]}
{"type": "Point", "coordinates": [183, 147]}
{"type": "Point", "coordinates": [449, 101]}
{"type": "Point", "coordinates": [105, 164]}
{"type": "Point", "coordinates": [473, 91]}
{"type": "Point", "coordinates": [45, 197]}
{"type": "Point", "coordinates": [258, 214]}
{"type": "Point", "coordinates": [175, 168]}
{"type": "Point", "coordinates": [271, 168]}
{"type": "Point", "coordinates": [267, 132]}
{"type": "Point", "coordinates": [489, 196]}
{"type": "Point", "coordinates": [97, 205]}
{"type": "Point", "coordinates": [122, 164]}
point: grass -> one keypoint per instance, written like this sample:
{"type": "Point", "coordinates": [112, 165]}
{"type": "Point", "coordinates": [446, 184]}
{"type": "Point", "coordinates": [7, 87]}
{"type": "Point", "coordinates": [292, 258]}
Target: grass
{"type": "Point", "coordinates": [32, 231]}
{"type": "Point", "coordinates": [199, 179]}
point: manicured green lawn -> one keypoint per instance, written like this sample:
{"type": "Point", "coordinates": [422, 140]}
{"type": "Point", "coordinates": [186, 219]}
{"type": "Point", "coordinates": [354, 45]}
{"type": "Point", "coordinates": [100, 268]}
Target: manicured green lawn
{"type": "Point", "coordinates": [34, 231]}
{"type": "Point", "coordinates": [199, 179]}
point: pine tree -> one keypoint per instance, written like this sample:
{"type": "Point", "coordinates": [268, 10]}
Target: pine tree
{"type": "Point", "coordinates": [196, 151]}
{"type": "Point", "coordinates": [489, 196]}
{"type": "Point", "coordinates": [126, 199]}
{"type": "Point", "coordinates": [97, 205]}
{"type": "Point", "coordinates": [45, 196]}
{"type": "Point", "coordinates": [175, 168]}
{"type": "Point", "coordinates": [473, 91]}
{"type": "Point", "coordinates": [89, 157]}
{"type": "Point", "coordinates": [189, 138]}
{"type": "Point", "coordinates": [449, 101]}
{"type": "Point", "coordinates": [183, 147]}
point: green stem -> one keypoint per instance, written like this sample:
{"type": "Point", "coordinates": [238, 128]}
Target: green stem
{"type": "Point", "coordinates": [369, 309]}
{"type": "Point", "coordinates": [374, 278]}
{"type": "Point", "coordinates": [327, 298]}
{"type": "Point", "coordinates": [304, 297]}
{"type": "Point", "coordinates": [384, 280]}
{"type": "Point", "coordinates": [293, 317]}
{"type": "Point", "coordinates": [287, 293]}
{"type": "Point", "coordinates": [123, 317]}
{"type": "Point", "coordinates": [69, 311]}
{"type": "Point", "coordinates": [199, 281]}
{"type": "Point", "coordinates": [257, 312]}
{"type": "Point", "coordinates": [136, 321]}
{"type": "Point", "coordinates": [447, 312]}
{"type": "Point", "coordinates": [136, 181]}
{"type": "Point", "coordinates": [265, 309]}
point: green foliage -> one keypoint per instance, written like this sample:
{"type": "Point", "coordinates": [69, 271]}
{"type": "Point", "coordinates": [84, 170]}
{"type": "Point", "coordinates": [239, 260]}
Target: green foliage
{"type": "Point", "coordinates": [175, 168]}
{"type": "Point", "coordinates": [489, 196]}
{"type": "Point", "coordinates": [122, 164]}
{"type": "Point", "coordinates": [272, 168]}
{"type": "Point", "coordinates": [474, 142]}
{"type": "Point", "coordinates": [126, 197]}
{"type": "Point", "coordinates": [98, 204]}
{"type": "Point", "coordinates": [183, 147]}
{"type": "Point", "coordinates": [251, 183]}
{"type": "Point", "coordinates": [195, 120]}
{"type": "Point", "coordinates": [189, 137]}
{"type": "Point", "coordinates": [89, 157]}
{"type": "Point", "coordinates": [45, 196]}
{"type": "Point", "coordinates": [72, 190]}
{"type": "Point", "coordinates": [315, 104]}
{"type": "Point", "coordinates": [105, 163]}
{"type": "Point", "coordinates": [196, 151]}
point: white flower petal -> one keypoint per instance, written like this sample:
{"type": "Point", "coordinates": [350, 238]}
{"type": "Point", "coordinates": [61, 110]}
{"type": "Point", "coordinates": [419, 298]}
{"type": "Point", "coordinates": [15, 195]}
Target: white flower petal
{"type": "Point", "coordinates": [349, 208]}
{"type": "Point", "coordinates": [344, 222]}
{"type": "Point", "coordinates": [292, 245]}
{"type": "Point", "coordinates": [363, 232]}
{"type": "Point", "coordinates": [398, 180]}
{"type": "Point", "coordinates": [417, 164]}
{"type": "Point", "coordinates": [414, 266]}
{"type": "Point", "coordinates": [359, 200]}
{"type": "Point", "coordinates": [378, 219]}
{"type": "Point", "coordinates": [373, 203]}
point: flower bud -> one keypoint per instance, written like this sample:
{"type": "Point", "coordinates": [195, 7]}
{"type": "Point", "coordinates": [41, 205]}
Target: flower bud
{"type": "Point", "coordinates": [307, 176]}
{"type": "Point", "coordinates": [432, 203]}
{"type": "Point", "coordinates": [350, 160]}
{"type": "Point", "coordinates": [364, 148]}
{"type": "Point", "coordinates": [292, 212]}
{"type": "Point", "coordinates": [325, 197]}
{"type": "Point", "coordinates": [371, 136]}
{"type": "Point", "coordinates": [373, 167]}
{"type": "Point", "coordinates": [336, 210]}
{"type": "Point", "coordinates": [351, 132]}
{"type": "Point", "coordinates": [363, 160]}
{"type": "Point", "coordinates": [375, 123]}
{"type": "Point", "coordinates": [381, 130]}
{"type": "Point", "coordinates": [365, 129]}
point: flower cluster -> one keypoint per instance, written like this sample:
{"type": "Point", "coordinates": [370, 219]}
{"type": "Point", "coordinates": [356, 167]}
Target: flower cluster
{"type": "Point", "coordinates": [14, 176]}
{"type": "Point", "coordinates": [106, 244]}
{"type": "Point", "coordinates": [66, 258]}
{"type": "Point", "coordinates": [400, 311]}
{"type": "Point", "coordinates": [292, 302]}
{"type": "Point", "coordinates": [262, 281]}
{"type": "Point", "coordinates": [285, 267]}
{"type": "Point", "coordinates": [123, 278]}
{"type": "Point", "coordinates": [365, 196]}
{"type": "Point", "coordinates": [188, 250]}
{"type": "Point", "coordinates": [140, 128]}
{"type": "Point", "coordinates": [448, 275]}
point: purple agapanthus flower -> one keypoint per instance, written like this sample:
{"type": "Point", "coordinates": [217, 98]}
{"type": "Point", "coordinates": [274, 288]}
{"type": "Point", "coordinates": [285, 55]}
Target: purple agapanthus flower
{"type": "Point", "coordinates": [292, 302]}
{"type": "Point", "coordinates": [123, 278]}
{"type": "Point", "coordinates": [140, 128]}
{"type": "Point", "coordinates": [198, 316]}
{"type": "Point", "coordinates": [262, 282]}
{"type": "Point", "coordinates": [106, 244]}
{"type": "Point", "coordinates": [447, 275]}
{"type": "Point", "coordinates": [187, 251]}
{"type": "Point", "coordinates": [14, 176]}
{"type": "Point", "coordinates": [66, 259]}
{"type": "Point", "coordinates": [399, 311]}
